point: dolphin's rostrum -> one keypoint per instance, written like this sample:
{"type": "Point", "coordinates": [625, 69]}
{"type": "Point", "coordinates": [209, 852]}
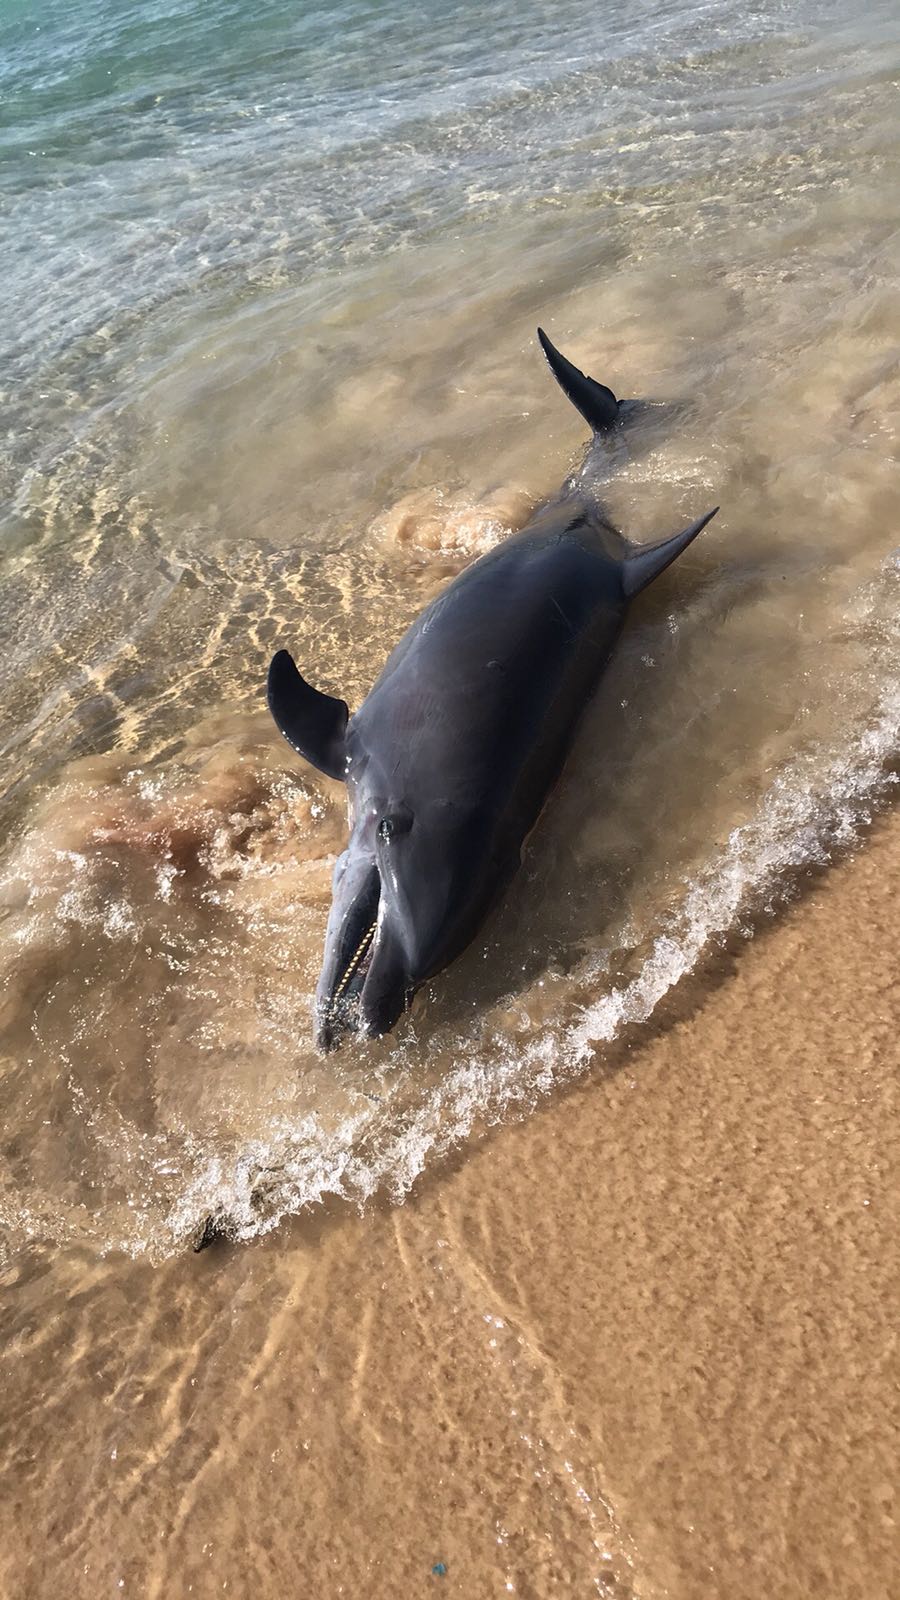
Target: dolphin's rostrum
{"type": "Point", "coordinates": [451, 756]}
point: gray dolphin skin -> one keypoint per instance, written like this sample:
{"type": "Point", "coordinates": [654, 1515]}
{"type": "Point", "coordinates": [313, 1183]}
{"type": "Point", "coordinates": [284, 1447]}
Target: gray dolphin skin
{"type": "Point", "coordinates": [450, 758]}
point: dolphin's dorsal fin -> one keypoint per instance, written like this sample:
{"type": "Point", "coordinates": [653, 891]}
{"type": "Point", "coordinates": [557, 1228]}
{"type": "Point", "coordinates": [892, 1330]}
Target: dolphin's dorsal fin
{"type": "Point", "coordinates": [313, 723]}
{"type": "Point", "coordinates": [597, 404]}
{"type": "Point", "coordinates": [646, 562]}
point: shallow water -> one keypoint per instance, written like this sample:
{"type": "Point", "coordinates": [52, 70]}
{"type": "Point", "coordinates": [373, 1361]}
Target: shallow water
{"type": "Point", "coordinates": [240, 418]}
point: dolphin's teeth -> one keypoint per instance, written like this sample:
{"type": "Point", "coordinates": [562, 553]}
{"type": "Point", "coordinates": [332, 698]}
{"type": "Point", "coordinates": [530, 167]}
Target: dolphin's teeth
{"type": "Point", "coordinates": [358, 956]}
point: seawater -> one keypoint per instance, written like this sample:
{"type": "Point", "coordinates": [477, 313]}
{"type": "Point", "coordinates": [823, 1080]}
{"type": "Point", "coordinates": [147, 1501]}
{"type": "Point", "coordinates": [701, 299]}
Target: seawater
{"type": "Point", "coordinates": [268, 375]}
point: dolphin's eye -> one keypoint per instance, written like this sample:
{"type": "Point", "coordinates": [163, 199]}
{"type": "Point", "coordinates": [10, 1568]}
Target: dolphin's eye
{"type": "Point", "coordinates": [393, 823]}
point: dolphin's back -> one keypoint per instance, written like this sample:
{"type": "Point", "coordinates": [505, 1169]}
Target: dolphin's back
{"type": "Point", "coordinates": [478, 702]}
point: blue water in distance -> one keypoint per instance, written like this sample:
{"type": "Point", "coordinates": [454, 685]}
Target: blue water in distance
{"type": "Point", "coordinates": [151, 151]}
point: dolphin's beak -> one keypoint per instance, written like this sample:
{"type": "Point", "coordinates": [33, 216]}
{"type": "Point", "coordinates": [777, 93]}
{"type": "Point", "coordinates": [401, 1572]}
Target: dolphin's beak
{"type": "Point", "coordinates": [352, 927]}
{"type": "Point", "coordinates": [387, 989]}
{"type": "Point", "coordinates": [365, 985]}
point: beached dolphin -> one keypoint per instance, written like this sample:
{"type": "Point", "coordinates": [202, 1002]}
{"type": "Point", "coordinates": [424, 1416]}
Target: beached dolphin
{"type": "Point", "coordinates": [452, 754]}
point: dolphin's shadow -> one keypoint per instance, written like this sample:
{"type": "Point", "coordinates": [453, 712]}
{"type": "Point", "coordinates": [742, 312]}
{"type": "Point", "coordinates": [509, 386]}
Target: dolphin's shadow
{"type": "Point", "coordinates": [556, 911]}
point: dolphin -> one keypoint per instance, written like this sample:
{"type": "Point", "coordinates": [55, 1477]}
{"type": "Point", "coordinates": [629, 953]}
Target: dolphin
{"type": "Point", "coordinates": [450, 758]}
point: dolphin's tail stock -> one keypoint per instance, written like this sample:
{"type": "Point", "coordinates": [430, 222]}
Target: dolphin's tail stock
{"type": "Point", "coordinates": [600, 408]}
{"type": "Point", "coordinates": [597, 404]}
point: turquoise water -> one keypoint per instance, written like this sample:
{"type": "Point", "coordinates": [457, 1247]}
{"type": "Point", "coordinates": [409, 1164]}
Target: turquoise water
{"type": "Point", "coordinates": [269, 286]}
{"type": "Point", "coordinates": [164, 162]}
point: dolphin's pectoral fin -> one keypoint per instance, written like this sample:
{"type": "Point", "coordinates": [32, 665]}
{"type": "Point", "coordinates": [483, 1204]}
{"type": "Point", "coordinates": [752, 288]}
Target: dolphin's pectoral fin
{"type": "Point", "coordinates": [313, 723]}
{"type": "Point", "coordinates": [597, 404]}
{"type": "Point", "coordinates": [646, 562]}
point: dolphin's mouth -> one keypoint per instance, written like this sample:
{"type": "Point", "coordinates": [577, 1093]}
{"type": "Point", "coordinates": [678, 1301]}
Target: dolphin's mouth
{"type": "Point", "coordinates": [358, 966]}
{"type": "Point", "coordinates": [345, 972]}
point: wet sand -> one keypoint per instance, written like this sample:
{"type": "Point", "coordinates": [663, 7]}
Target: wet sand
{"type": "Point", "coordinates": [643, 1343]}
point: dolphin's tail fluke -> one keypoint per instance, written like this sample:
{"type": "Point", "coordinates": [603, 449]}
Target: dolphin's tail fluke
{"type": "Point", "coordinates": [645, 562]}
{"type": "Point", "coordinates": [597, 404]}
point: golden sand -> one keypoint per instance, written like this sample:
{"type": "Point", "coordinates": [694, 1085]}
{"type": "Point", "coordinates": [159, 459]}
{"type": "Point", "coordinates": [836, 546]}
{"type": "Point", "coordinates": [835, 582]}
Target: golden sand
{"type": "Point", "coordinates": [642, 1344]}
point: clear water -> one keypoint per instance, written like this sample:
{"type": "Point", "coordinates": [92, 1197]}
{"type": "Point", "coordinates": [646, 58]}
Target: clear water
{"type": "Point", "coordinates": [269, 287]}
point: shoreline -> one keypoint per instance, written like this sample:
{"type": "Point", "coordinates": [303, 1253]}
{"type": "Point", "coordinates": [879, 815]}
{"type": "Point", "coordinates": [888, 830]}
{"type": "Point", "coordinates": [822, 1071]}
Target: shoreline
{"type": "Point", "coordinates": [638, 1344]}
